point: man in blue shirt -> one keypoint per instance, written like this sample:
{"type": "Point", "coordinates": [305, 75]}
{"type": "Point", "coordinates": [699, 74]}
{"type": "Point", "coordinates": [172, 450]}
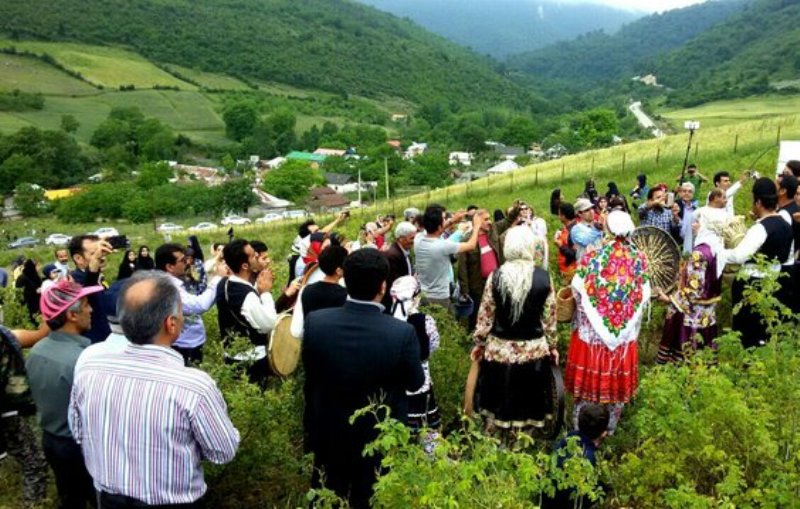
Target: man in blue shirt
{"type": "Point", "coordinates": [584, 233]}
{"type": "Point", "coordinates": [655, 212]}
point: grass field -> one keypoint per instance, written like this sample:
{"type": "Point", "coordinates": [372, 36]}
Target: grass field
{"type": "Point", "coordinates": [210, 80]}
{"type": "Point", "coordinates": [729, 112]}
{"type": "Point", "coordinates": [187, 112]}
{"type": "Point", "coordinates": [31, 75]}
{"type": "Point", "coordinates": [102, 65]}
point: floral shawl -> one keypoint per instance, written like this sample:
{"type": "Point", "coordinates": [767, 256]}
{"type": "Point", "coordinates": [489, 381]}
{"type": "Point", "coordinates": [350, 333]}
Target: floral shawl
{"type": "Point", "coordinates": [613, 287]}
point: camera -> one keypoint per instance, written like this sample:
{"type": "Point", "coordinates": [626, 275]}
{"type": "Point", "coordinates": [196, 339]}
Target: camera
{"type": "Point", "coordinates": [118, 241]}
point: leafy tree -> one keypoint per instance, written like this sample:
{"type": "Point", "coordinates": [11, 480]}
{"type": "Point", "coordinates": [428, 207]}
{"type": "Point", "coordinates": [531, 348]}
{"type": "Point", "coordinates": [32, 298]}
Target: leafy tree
{"type": "Point", "coordinates": [237, 195]}
{"type": "Point", "coordinates": [240, 119]}
{"type": "Point", "coordinates": [17, 167]}
{"type": "Point", "coordinates": [597, 127]}
{"type": "Point", "coordinates": [69, 124]}
{"type": "Point", "coordinates": [152, 175]}
{"type": "Point", "coordinates": [292, 181]}
{"type": "Point", "coordinates": [30, 201]}
{"type": "Point", "coordinates": [519, 131]}
{"type": "Point", "coordinates": [229, 163]}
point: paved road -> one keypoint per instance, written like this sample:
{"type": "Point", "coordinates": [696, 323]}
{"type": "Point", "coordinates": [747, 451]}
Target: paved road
{"type": "Point", "coordinates": [645, 121]}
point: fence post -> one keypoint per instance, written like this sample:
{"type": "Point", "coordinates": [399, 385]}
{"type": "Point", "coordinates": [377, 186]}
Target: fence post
{"type": "Point", "coordinates": [511, 185]}
{"type": "Point", "coordinates": [592, 167]}
{"type": "Point", "coordinates": [562, 172]}
{"type": "Point", "coordinates": [658, 156]}
{"type": "Point", "coordinates": [778, 140]}
{"type": "Point", "coordinates": [736, 143]}
{"type": "Point", "coordinates": [623, 162]}
{"type": "Point", "coordinates": [447, 196]}
{"type": "Point", "coordinates": [536, 181]}
{"type": "Point", "coordinates": [696, 148]}
{"type": "Point", "coordinates": [468, 183]}
{"type": "Point", "coordinates": [394, 211]}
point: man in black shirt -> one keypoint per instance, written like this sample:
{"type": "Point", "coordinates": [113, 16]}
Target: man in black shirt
{"type": "Point", "coordinates": [327, 293]}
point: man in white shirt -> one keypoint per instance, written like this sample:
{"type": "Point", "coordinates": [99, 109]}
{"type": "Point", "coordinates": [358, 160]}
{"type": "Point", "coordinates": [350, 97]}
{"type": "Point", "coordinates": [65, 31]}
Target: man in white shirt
{"type": "Point", "coordinates": [722, 181]}
{"type": "Point", "coordinates": [433, 264]}
{"type": "Point", "coordinates": [62, 262]}
{"type": "Point", "coordinates": [245, 309]}
{"type": "Point", "coordinates": [171, 258]}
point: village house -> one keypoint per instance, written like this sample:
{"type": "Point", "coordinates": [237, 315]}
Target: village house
{"type": "Point", "coordinates": [399, 117]}
{"type": "Point", "coordinates": [343, 183]}
{"type": "Point", "coordinates": [459, 158]}
{"type": "Point", "coordinates": [315, 160]}
{"type": "Point", "coordinates": [205, 174]}
{"type": "Point", "coordinates": [325, 199]}
{"type": "Point", "coordinates": [503, 167]}
{"type": "Point", "coordinates": [328, 152]}
{"type": "Point", "coordinates": [415, 149]}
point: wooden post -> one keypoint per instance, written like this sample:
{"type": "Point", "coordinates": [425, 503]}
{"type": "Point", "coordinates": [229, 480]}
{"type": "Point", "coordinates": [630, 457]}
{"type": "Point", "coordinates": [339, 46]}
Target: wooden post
{"type": "Point", "coordinates": [736, 143]}
{"type": "Point", "coordinates": [562, 172]}
{"type": "Point", "coordinates": [468, 182]}
{"type": "Point", "coordinates": [696, 148]}
{"type": "Point", "coordinates": [447, 196]}
{"type": "Point", "coordinates": [658, 156]}
{"type": "Point", "coordinates": [778, 140]}
{"type": "Point", "coordinates": [592, 167]}
{"type": "Point", "coordinates": [623, 162]}
{"type": "Point", "coordinates": [394, 212]}
{"type": "Point", "coordinates": [511, 184]}
{"type": "Point", "coordinates": [536, 182]}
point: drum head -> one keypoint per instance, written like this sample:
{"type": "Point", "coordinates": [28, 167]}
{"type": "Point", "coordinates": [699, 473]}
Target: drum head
{"type": "Point", "coordinates": [284, 349]}
{"type": "Point", "coordinates": [662, 253]}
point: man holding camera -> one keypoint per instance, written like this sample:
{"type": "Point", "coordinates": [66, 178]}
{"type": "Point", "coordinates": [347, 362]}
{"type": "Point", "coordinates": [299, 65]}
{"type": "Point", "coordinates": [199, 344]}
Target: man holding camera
{"type": "Point", "coordinates": [656, 212]}
{"type": "Point", "coordinates": [89, 253]}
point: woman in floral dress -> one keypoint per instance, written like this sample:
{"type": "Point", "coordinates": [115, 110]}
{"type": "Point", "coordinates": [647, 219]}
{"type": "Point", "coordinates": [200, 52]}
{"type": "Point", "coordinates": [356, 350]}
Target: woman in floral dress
{"type": "Point", "coordinates": [693, 305]}
{"type": "Point", "coordinates": [611, 290]}
{"type": "Point", "coordinates": [515, 340]}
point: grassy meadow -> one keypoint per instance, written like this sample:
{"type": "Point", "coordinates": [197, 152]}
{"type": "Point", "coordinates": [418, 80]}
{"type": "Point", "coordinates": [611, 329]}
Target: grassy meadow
{"type": "Point", "coordinates": [721, 113]}
{"type": "Point", "coordinates": [34, 76]}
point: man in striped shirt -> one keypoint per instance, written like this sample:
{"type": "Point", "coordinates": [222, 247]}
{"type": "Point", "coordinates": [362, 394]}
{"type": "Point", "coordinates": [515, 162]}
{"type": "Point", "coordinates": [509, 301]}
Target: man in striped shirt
{"type": "Point", "coordinates": [143, 419]}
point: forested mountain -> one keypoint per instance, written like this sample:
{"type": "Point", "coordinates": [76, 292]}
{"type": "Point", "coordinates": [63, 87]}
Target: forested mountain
{"type": "Point", "coordinates": [748, 53]}
{"type": "Point", "coordinates": [334, 45]}
{"type": "Point", "coordinates": [599, 56]}
{"type": "Point", "coordinates": [505, 27]}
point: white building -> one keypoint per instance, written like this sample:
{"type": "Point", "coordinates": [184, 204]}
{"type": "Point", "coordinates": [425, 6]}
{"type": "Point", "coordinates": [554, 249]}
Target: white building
{"type": "Point", "coordinates": [460, 158]}
{"type": "Point", "coordinates": [504, 167]}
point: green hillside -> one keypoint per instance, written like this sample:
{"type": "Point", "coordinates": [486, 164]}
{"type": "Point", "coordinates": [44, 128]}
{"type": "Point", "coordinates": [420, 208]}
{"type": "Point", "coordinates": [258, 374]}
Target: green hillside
{"type": "Point", "coordinates": [747, 53]}
{"type": "Point", "coordinates": [600, 56]}
{"type": "Point", "coordinates": [733, 111]}
{"type": "Point", "coordinates": [333, 45]}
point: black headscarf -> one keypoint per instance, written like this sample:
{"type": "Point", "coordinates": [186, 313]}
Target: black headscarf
{"type": "Point", "coordinates": [555, 201]}
{"type": "Point", "coordinates": [126, 267]}
{"type": "Point", "coordinates": [613, 190]}
{"type": "Point", "coordinates": [145, 262]}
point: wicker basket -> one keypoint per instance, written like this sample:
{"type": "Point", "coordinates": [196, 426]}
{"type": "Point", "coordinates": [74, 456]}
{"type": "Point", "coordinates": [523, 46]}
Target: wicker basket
{"type": "Point", "coordinates": [565, 305]}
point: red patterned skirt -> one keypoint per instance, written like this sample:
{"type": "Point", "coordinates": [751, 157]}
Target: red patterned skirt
{"type": "Point", "coordinates": [595, 373]}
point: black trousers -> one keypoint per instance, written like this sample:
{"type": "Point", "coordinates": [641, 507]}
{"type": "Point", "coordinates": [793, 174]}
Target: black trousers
{"type": "Point", "coordinates": [191, 356]}
{"type": "Point", "coordinates": [351, 479]}
{"type": "Point", "coordinates": [109, 501]}
{"type": "Point", "coordinates": [74, 484]}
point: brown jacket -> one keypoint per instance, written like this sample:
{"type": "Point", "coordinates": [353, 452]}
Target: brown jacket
{"type": "Point", "coordinates": [469, 267]}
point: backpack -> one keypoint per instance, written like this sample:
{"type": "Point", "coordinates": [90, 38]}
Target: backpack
{"type": "Point", "coordinates": [15, 392]}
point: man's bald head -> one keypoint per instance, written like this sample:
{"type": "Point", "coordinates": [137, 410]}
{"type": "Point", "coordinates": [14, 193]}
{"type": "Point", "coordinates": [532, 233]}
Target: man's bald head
{"type": "Point", "coordinates": [146, 301]}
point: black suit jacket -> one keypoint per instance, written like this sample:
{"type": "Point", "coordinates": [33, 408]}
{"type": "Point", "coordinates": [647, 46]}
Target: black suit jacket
{"type": "Point", "coordinates": [352, 356]}
{"type": "Point", "coordinates": [397, 269]}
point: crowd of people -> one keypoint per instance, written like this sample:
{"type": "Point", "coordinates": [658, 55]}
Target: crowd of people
{"type": "Point", "coordinates": [127, 414]}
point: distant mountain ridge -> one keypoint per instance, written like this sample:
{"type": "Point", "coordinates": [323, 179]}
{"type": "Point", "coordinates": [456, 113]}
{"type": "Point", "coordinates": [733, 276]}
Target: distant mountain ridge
{"type": "Point", "coordinates": [333, 45]}
{"type": "Point", "coordinates": [599, 56]}
{"type": "Point", "coordinates": [506, 27]}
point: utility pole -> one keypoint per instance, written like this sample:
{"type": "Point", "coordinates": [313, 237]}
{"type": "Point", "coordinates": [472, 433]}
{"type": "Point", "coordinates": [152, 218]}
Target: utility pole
{"type": "Point", "coordinates": [386, 174]}
{"type": "Point", "coordinates": [359, 187]}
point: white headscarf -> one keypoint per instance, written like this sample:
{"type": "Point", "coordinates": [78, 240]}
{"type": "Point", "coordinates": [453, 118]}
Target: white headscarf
{"type": "Point", "coordinates": [405, 297]}
{"type": "Point", "coordinates": [620, 223]}
{"type": "Point", "coordinates": [516, 274]}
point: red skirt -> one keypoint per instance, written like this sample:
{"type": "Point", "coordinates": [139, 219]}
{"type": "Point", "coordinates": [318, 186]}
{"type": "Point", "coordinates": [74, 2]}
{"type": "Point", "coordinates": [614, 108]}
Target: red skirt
{"type": "Point", "coordinates": [595, 373]}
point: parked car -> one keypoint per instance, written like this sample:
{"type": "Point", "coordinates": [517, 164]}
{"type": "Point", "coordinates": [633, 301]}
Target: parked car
{"type": "Point", "coordinates": [24, 242]}
{"type": "Point", "coordinates": [106, 232]}
{"type": "Point", "coordinates": [294, 214]}
{"type": "Point", "coordinates": [235, 220]}
{"type": "Point", "coordinates": [57, 239]}
{"type": "Point", "coordinates": [201, 227]}
{"type": "Point", "coordinates": [268, 218]}
{"type": "Point", "coordinates": [169, 227]}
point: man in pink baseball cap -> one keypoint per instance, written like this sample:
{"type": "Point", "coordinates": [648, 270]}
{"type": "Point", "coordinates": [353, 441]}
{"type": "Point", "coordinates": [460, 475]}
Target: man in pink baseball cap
{"type": "Point", "coordinates": [50, 368]}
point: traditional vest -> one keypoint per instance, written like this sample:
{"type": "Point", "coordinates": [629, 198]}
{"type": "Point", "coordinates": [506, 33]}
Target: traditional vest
{"type": "Point", "coordinates": [779, 239]}
{"type": "Point", "coordinates": [529, 325]}
{"type": "Point", "coordinates": [230, 298]}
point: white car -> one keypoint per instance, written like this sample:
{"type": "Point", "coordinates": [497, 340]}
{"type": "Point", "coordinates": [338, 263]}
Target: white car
{"type": "Point", "coordinates": [169, 227]}
{"type": "Point", "coordinates": [268, 218]}
{"type": "Point", "coordinates": [104, 233]}
{"type": "Point", "coordinates": [294, 214]}
{"type": "Point", "coordinates": [235, 220]}
{"type": "Point", "coordinates": [201, 227]}
{"type": "Point", "coordinates": [57, 239]}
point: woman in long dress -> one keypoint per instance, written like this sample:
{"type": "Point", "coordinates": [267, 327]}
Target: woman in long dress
{"type": "Point", "coordinates": [611, 290]}
{"type": "Point", "coordinates": [693, 306]}
{"type": "Point", "coordinates": [515, 340]}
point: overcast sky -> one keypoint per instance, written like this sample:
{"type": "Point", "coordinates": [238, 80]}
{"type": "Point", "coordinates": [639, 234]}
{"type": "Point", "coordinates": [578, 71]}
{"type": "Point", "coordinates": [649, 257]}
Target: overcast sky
{"type": "Point", "coordinates": [645, 5]}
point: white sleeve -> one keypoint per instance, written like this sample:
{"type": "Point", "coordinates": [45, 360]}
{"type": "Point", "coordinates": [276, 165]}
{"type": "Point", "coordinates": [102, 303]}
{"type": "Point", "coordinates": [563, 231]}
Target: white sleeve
{"type": "Point", "coordinates": [753, 240]}
{"type": "Point", "coordinates": [198, 304]}
{"type": "Point", "coordinates": [260, 311]}
{"type": "Point", "coordinates": [298, 321]}
{"type": "Point", "coordinates": [733, 189]}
